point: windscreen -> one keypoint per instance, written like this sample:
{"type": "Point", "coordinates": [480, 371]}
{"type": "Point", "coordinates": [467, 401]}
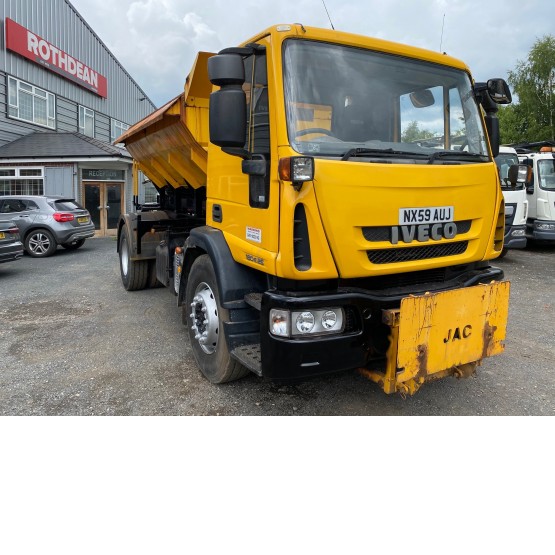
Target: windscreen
{"type": "Point", "coordinates": [546, 172]}
{"type": "Point", "coordinates": [340, 98]}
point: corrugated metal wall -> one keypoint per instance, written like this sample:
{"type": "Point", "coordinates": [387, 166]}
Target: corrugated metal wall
{"type": "Point", "coordinates": [58, 22]}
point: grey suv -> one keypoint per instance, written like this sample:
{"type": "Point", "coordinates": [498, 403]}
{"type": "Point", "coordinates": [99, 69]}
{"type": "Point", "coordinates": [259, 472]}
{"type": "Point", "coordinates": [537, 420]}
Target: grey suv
{"type": "Point", "coordinates": [46, 222]}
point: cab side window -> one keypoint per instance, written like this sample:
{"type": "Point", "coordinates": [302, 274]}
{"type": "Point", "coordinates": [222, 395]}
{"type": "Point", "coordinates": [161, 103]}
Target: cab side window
{"type": "Point", "coordinates": [258, 126]}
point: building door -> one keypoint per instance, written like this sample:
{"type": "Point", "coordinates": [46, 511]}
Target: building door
{"type": "Point", "coordinates": [104, 201]}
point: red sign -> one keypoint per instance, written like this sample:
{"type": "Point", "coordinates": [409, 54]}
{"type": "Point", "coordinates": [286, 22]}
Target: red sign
{"type": "Point", "coordinates": [34, 48]}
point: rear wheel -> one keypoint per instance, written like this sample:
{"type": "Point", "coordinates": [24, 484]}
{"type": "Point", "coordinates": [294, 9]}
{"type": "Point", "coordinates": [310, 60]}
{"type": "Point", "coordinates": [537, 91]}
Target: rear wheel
{"type": "Point", "coordinates": [73, 246]}
{"type": "Point", "coordinates": [134, 273]}
{"type": "Point", "coordinates": [205, 317]}
{"type": "Point", "coordinates": [40, 243]}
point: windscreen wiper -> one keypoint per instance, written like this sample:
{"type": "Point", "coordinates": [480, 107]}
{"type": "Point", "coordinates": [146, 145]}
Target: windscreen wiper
{"type": "Point", "coordinates": [458, 156]}
{"type": "Point", "coordinates": [381, 152]}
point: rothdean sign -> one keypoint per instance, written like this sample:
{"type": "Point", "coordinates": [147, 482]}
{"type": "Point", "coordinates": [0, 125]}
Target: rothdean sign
{"type": "Point", "coordinates": [35, 48]}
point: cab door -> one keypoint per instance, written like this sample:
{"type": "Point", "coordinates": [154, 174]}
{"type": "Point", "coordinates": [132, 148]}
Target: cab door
{"type": "Point", "coordinates": [246, 207]}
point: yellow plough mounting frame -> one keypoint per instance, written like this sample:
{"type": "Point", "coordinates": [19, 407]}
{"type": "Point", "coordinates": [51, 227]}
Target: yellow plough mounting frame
{"type": "Point", "coordinates": [442, 334]}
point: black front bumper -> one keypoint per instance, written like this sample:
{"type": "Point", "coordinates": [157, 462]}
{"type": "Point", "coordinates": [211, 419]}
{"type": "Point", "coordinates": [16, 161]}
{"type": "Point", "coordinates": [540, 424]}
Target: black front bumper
{"type": "Point", "coordinates": [364, 340]}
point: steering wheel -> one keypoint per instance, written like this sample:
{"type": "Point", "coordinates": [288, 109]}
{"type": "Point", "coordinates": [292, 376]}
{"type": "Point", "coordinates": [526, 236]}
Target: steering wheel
{"type": "Point", "coordinates": [313, 130]}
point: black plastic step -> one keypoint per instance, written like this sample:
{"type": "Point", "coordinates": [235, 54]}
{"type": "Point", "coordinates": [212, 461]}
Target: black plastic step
{"type": "Point", "coordinates": [254, 300]}
{"type": "Point", "coordinates": [249, 356]}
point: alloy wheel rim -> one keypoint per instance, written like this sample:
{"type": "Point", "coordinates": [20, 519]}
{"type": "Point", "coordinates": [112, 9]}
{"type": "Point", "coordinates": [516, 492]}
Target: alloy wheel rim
{"type": "Point", "coordinates": [39, 243]}
{"type": "Point", "coordinates": [205, 320]}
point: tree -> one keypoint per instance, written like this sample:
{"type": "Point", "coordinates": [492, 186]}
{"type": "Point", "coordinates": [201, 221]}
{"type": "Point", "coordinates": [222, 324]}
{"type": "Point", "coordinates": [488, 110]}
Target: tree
{"type": "Point", "coordinates": [532, 118]}
{"type": "Point", "coordinates": [413, 133]}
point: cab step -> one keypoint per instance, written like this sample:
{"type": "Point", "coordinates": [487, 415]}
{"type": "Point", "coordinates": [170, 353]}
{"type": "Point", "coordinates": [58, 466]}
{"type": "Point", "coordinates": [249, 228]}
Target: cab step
{"type": "Point", "coordinates": [249, 356]}
{"type": "Point", "coordinates": [254, 300]}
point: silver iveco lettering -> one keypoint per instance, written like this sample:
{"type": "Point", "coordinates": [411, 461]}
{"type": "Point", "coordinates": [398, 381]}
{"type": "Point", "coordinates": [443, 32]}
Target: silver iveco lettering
{"type": "Point", "coordinates": [423, 233]}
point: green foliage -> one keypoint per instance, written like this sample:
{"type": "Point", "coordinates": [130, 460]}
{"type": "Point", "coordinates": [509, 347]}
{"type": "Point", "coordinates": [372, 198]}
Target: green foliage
{"type": "Point", "coordinates": [532, 118]}
{"type": "Point", "coordinates": [413, 133]}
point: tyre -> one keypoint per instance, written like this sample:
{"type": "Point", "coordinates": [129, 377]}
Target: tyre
{"type": "Point", "coordinates": [40, 243]}
{"type": "Point", "coordinates": [134, 273]}
{"type": "Point", "coordinates": [74, 246]}
{"type": "Point", "coordinates": [205, 317]}
{"type": "Point", "coordinates": [503, 253]}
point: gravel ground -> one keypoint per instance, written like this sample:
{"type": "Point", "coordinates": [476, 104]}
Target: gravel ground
{"type": "Point", "coordinates": [74, 342]}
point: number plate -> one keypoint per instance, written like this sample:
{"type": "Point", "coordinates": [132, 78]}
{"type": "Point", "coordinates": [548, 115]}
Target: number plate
{"type": "Point", "coordinates": [426, 215]}
{"type": "Point", "coordinates": [2, 235]}
{"type": "Point", "coordinates": [83, 219]}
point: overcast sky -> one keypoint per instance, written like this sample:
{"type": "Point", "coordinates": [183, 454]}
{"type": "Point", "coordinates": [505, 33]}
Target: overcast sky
{"type": "Point", "coordinates": [156, 40]}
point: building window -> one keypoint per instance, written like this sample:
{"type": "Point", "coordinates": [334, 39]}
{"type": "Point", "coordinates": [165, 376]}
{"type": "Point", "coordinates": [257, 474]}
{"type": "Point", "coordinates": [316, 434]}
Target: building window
{"type": "Point", "coordinates": [21, 181]}
{"type": "Point", "coordinates": [86, 121]}
{"type": "Point", "coordinates": [117, 129]}
{"type": "Point", "coordinates": [30, 103]}
{"type": "Point", "coordinates": [151, 193]}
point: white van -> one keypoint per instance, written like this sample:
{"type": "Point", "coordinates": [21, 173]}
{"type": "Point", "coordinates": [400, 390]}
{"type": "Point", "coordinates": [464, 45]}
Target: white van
{"type": "Point", "coordinates": [540, 225]}
{"type": "Point", "coordinates": [516, 204]}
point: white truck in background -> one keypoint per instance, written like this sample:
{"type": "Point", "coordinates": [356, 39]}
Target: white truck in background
{"type": "Point", "coordinates": [540, 189]}
{"type": "Point", "coordinates": [516, 203]}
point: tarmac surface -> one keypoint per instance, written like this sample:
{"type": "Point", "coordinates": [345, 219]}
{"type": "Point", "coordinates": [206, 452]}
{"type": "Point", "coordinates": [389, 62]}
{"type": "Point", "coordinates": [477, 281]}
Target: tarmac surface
{"type": "Point", "coordinates": [74, 342]}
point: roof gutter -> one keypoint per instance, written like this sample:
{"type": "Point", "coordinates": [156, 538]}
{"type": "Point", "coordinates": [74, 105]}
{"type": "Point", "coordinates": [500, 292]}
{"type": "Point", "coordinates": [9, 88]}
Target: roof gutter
{"type": "Point", "coordinates": [42, 159]}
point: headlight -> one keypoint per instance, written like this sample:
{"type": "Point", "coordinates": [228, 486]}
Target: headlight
{"type": "Point", "coordinates": [306, 322]}
{"type": "Point", "coordinates": [509, 209]}
{"type": "Point", "coordinates": [297, 169]}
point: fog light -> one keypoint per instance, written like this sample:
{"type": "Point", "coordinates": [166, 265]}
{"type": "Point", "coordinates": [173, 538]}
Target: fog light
{"type": "Point", "coordinates": [518, 232]}
{"type": "Point", "coordinates": [305, 322]}
{"type": "Point", "coordinates": [279, 322]}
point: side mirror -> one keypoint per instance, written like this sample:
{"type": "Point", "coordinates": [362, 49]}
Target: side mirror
{"type": "Point", "coordinates": [226, 69]}
{"type": "Point", "coordinates": [228, 106]}
{"type": "Point", "coordinates": [228, 117]}
{"type": "Point", "coordinates": [519, 173]}
{"type": "Point", "coordinates": [499, 91]}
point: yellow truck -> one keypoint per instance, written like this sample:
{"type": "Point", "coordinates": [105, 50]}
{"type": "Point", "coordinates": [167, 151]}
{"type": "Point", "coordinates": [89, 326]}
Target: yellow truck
{"type": "Point", "coordinates": [327, 202]}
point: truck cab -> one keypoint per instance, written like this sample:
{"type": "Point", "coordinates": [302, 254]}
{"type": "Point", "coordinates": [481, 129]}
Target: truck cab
{"type": "Point", "coordinates": [540, 189]}
{"type": "Point", "coordinates": [516, 203]}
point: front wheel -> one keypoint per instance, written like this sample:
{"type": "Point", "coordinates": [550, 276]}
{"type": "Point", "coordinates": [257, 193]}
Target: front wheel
{"type": "Point", "coordinates": [205, 317]}
{"type": "Point", "coordinates": [40, 243]}
{"type": "Point", "coordinates": [134, 273]}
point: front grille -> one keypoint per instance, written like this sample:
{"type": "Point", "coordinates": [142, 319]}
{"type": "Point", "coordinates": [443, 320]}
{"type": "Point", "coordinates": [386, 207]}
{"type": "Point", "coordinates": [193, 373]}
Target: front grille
{"type": "Point", "coordinates": [383, 233]}
{"type": "Point", "coordinates": [407, 254]}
